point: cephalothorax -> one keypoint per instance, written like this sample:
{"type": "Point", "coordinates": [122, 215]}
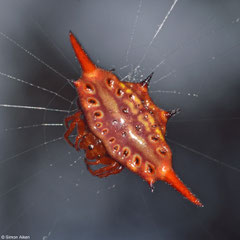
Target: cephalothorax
{"type": "Point", "coordinates": [119, 126]}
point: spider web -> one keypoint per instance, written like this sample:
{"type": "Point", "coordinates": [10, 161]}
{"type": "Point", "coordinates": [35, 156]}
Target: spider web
{"type": "Point", "coordinates": [192, 48]}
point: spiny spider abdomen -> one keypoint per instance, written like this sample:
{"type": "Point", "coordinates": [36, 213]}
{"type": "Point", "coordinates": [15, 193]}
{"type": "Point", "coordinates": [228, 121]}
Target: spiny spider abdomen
{"type": "Point", "coordinates": [119, 126]}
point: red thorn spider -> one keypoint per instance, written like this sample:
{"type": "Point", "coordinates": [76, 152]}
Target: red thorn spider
{"type": "Point", "coordinates": [119, 126]}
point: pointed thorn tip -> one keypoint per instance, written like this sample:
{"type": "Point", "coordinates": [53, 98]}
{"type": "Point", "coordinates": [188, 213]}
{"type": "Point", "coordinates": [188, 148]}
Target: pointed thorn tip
{"type": "Point", "coordinates": [146, 81]}
{"type": "Point", "coordinates": [85, 62]}
{"type": "Point", "coordinates": [173, 112]}
{"type": "Point", "coordinates": [174, 181]}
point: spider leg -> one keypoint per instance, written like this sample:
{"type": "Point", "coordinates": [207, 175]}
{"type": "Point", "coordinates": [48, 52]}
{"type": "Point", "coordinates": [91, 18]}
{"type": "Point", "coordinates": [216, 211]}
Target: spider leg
{"type": "Point", "coordinates": [75, 121]}
{"type": "Point", "coordinates": [96, 162]}
{"type": "Point", "coordinates": [68, 132]}
{"type": "Point", "coordinates": [105, 171]}
{"type": "Point", "coordinates": [81, 131]}
{"type": "Point", "coordinates": [114, 171]}
{"type": "Point", "coordinates": [112, 168]}
{"type": "Point", "coordinates": [103, 160]}
{"type": "Point", "coordinates": [72, 118]}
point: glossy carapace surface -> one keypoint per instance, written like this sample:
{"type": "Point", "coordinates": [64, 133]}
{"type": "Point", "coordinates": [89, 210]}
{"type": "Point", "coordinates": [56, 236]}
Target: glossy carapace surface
{"type": "Point", "coordinates": [126, 127]}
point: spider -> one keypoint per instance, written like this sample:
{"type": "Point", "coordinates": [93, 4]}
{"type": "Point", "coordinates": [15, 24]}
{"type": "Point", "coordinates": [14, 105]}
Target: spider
{"type": "Point", "coordinates": [118, 126]}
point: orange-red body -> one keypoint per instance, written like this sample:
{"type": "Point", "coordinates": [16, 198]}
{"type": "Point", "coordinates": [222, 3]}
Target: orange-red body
{"type": "Point", "coordinates": [122, 126]}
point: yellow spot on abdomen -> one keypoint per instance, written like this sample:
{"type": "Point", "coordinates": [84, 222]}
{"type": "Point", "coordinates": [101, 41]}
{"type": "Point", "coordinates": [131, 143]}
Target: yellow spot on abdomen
{"type": "Point", "coordinates": [151, 119]}
{"type": "Point", "coordinates": [131, 105]}
{"type": "Point", "coordinates": [144, 122]}
{"type": "Point", "coordinates": [159, 132]}
{"type": "Point", "coordinates": [122, 85]}
{"type": "Point", "coordinates": [129, 91]}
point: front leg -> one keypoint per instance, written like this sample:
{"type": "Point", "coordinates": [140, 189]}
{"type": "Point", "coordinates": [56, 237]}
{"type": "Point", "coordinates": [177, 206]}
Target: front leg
{"type": "Point", "coordinates": [76, 121]}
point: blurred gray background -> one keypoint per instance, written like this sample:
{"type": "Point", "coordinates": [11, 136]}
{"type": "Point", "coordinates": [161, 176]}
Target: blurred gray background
{"type": "Point", "coordinates": [46, 191]}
